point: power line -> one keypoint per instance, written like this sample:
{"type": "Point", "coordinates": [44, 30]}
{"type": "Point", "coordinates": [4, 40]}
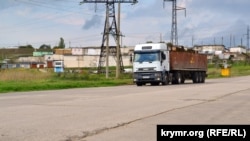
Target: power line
{"type": "Point", "coordinates": [41, 19]}
{"type": "Point", "coordinates": [45, 4]}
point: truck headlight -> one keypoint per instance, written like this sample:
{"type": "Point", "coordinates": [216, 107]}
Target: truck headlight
{"type": "Point", "coordinates": [158, 75]}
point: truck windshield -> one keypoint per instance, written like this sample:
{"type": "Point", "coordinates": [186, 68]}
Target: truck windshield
{"type": "Point", "coordinates": [146, 56]}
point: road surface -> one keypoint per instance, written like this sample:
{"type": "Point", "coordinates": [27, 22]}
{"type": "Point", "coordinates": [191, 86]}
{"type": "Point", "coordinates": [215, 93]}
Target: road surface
{"type": "Point", "coordinates": [124, 113]}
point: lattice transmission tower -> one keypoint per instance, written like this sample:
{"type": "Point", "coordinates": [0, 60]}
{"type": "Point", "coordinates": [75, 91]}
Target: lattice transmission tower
{"type": "Point", "coordinates": [110, 28]}
{"type": "Point", "coordinates": [174, 31]}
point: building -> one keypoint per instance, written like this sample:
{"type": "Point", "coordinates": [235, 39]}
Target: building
{"type": "Point", "coordinates": [67, 51]}
{"type": "Point", "coordinates": [210, 49]}
{"type": "Point", "coordinates": [72, 58]}
{"type": "Point", "coordinates": [238, 49]}
{"type": "Point", "coordinates": [86, 51]}
{"type": "Point", "coordinates": [88, 57]}
{"type": "Point", "coordinates": [42, 53]}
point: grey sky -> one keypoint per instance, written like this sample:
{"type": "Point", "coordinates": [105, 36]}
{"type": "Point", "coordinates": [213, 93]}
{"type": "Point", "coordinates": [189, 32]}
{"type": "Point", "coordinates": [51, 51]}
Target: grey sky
{"type": "Point", "coordinates": [38, 22]}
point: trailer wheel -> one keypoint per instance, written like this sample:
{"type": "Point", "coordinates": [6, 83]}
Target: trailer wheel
{"type": "Point", "coordinates": [199, 77]}
{"type": "Point", "coordinates": [177, 78]}
{"type": "Point", "coordinates": [203, 77]}
{"type": "Point", "coordinates": [195, 77]}
{"type": "Point", "coordinates": [173, 81]}
{"type": "Point", "coordinates": [182, 79]}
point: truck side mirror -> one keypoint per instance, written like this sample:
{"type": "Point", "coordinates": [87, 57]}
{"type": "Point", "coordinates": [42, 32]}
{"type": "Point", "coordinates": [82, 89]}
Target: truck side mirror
{"type": "Point", "coordinates": [163, 56]}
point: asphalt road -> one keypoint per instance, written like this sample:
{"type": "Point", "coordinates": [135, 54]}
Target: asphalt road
{"type": "Point", "coordinates": [125, 113]}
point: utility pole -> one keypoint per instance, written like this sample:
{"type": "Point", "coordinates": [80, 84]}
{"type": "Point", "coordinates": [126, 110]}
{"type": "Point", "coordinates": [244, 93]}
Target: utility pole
{"type": "Point", "coordinates": [248, 30]}
{"type": "Point", "coordinates": [174, 31]}
{"type": "Point", "coordinates": [230, 40]}
{"type": "Point", "coordinates": [118, 47]}
{"type": "Point", "coordinates": [161, 38]}
{"type": "Point", "coordinates": [234, 40]}
{"type": "Point", "coordinates": [106, 33]}
{"type": "Point", "coordinates": [193, 41]}
{"type": "Point", "coordinates": [110, 28]}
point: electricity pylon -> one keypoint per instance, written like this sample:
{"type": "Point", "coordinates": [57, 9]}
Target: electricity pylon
{"type": "Point", "coordinates": [113, 30]}
{"type": "Point", "coordinates": [174, 31]}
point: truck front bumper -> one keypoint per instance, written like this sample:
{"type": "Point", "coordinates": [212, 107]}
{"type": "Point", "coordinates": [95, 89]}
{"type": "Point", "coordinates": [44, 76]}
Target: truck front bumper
{"type": "Point", "coordinates": [147, 77]}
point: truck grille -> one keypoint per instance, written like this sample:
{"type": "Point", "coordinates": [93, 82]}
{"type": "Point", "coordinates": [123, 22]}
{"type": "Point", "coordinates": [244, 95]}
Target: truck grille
{"type": "Point", "coordinates": [146, 69]}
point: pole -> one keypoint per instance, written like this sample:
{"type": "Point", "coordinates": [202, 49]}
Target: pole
{"type": "Point", "coordinates": [248, 37]}
{"type": "Point", "coordinates": [118, 67]}
{"type": "Point", "coordinates": [193, 41]}
{"type": "Point", "coordinates": [107, 42]}
{"type": "Point", "coordinates": [230, 40]}
{"type": "Point", "coordinates": [234, 41]}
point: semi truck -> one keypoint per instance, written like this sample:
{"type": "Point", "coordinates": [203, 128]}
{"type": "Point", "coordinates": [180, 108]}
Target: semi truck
{"type": "Point", "coordinates": [158, 63]}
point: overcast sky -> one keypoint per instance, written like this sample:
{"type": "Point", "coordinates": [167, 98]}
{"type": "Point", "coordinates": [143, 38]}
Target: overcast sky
{"type": "Point", "coordinates": [38, 22]}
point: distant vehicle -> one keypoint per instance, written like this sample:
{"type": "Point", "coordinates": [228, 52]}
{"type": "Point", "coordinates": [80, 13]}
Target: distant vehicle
{"type": "Point", "coordinates": [156, 63]}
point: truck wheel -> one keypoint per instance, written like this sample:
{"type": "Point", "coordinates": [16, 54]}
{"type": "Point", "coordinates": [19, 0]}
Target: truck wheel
{"type": "Point", "coordinates": [166, 82]}
{"type": "Point", "coordinates": [199, 77]}
{"type": "Point", "coordinates": [203, 77]}
{"type": "Point", "coordinates": [182, 79]}
{"type": "Point", "coordinates": [179, 78]}
{"type": "Point", "coordinates": [173, 81]}
{"type": "Point", "coordinates": [195, 77]}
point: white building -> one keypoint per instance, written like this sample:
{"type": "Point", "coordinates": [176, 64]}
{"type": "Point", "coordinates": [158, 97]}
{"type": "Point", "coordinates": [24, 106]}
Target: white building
{"type": "Point", "coordinates": [95, 50]}
{"type": "Point", "coordinates": [80, 57]}
{"type": "Point", "coordinates": [86, 51]}
{"type": "Point", "coordinates": [209, 49]}
{"type": "Point", "coordinates": [89, 57]}
{"type": "Point", "coordinates": [238, 49]}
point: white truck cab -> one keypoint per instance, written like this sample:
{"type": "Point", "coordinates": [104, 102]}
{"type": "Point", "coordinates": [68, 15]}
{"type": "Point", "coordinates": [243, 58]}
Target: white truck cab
{"type": "Point", "coordinates": [151, 62]}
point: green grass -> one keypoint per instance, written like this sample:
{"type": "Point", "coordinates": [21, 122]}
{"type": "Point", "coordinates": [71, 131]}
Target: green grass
{"type": "Point", "coordinates": [18, 80]}
{"type": "Point", "coordinates": [18, 86]}
{"type": "Point", "coordinates": [237, 69]}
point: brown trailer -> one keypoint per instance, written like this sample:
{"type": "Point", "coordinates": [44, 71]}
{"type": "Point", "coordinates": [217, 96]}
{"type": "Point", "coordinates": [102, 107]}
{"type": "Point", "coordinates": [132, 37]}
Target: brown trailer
{"type": "Point", "coordinates": [188, 61]}
{"type": "Point", "coordinates": [187, 65]}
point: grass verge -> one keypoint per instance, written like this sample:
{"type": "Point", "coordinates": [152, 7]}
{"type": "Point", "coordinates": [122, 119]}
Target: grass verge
{"type": "Point", "coordinates": [237, 69]}
{"type": "Point", "coordinates": [18, 80]}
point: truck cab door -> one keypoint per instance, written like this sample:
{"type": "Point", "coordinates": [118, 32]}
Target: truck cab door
{"type": "Point", "coordinates": [165, 60]}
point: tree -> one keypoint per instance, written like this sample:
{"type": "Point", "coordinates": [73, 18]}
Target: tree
{"type": "Point", "coordinates": [27, 46]}
{"type": "Point", "coordinates": [61, 43]}
{"type": "Point", "coordinates": [44, 46]}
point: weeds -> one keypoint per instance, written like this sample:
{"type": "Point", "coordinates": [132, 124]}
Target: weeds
{"type": "Point", "coordinates": [15, 80]}
{"type": "Point", "coordinates": [23, 75]}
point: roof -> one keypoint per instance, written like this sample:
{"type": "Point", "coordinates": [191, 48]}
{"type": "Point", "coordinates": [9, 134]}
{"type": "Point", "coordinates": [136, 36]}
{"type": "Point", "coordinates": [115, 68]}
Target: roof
{"type": "Point", "coordinates": [208, 45]}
